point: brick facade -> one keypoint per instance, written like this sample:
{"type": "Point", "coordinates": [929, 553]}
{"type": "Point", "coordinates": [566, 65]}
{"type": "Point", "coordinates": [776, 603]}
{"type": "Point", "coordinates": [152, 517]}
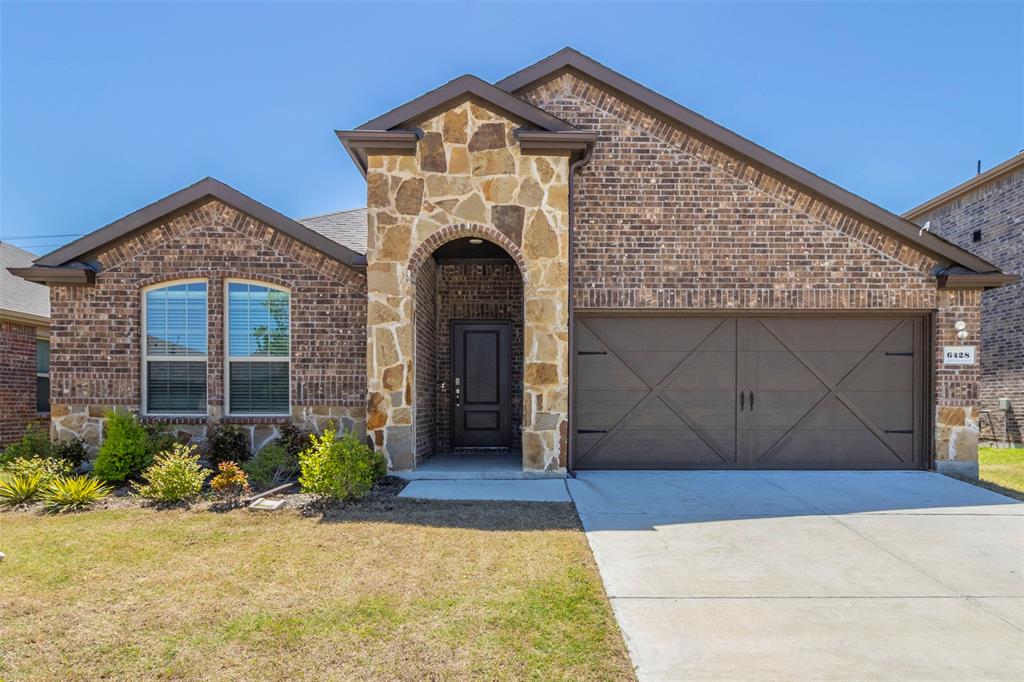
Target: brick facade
{"type": "Point", "coordinates": [17, 379]}
{"type": "Point", "coordinates": [664, 220]}
{"type": "Point", "coordinates": [996, 209]}
{"type": "Point", "coordinates": [96, 331]}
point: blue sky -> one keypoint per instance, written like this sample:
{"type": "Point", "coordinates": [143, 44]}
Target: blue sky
{"type": "Point", "coordinates": [107, 107]}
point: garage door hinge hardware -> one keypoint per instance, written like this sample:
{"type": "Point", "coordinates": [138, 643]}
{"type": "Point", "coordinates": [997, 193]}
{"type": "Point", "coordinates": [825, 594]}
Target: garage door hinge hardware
{"type": "Point", "coordinates": [591, 431]}
{"type": "Point", "coordinates": [898, 431]}
{"type": "Point", "coordinates": [592, 352]}
{"type": "Point", "coordinates": [911, 354]}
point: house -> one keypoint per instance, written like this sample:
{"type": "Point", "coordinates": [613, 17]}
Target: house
{"type": "Point", "coordinates": [564, 266]}
{"type": "Point", "coordinates": [986, 215]}
{"type": "Point", "coordinates": [24, 347]}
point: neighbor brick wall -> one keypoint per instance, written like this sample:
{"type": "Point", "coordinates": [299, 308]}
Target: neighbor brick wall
{"type": "Point", "coordinates": [96, 331]}
{"type": "Point", "coordinates": [17, 379]}
{"type": "Point", "coordinates": [997, 210]}
{"type": "Point", "coordinates": [665, 221]}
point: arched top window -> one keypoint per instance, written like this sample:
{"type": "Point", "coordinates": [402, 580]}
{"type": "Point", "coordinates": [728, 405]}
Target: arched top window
{"type": "Point", "coordinates": [258, 344]}
{"type": "Point", "coordinates": [174, 348]}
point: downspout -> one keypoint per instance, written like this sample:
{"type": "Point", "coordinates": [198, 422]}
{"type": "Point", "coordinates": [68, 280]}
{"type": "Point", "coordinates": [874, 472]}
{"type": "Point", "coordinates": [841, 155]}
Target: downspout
{"type": "Point", "coordinates": [570, 436]}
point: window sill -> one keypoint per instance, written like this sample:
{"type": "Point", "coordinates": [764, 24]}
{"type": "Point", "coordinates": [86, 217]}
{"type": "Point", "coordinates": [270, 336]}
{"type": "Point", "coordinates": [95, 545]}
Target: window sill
{"type": "Point", "coordinates": [257, 419]}
{"type": "Point", "coordinates": [173, 419]}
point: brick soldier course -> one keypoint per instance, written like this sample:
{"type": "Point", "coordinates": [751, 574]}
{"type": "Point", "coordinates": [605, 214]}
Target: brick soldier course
{"type": "Point", "coordinates": [668, 214]}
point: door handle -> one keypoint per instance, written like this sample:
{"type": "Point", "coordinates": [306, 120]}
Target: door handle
{"type": "Point", "coordinates": [751, 401]}
{"type": "Point", "coordinates": [458, 392]}
{"type": "Point", "coordinates": [741, 401]}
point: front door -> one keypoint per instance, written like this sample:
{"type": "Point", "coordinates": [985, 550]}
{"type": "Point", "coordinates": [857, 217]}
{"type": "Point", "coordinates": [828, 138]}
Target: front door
{"type": "Point", "coordinates": [481, 384]}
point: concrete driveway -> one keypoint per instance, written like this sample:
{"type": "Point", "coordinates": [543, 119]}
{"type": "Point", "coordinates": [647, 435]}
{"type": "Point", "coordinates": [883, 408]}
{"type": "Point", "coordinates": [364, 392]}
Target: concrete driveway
{"type": "Point", "coordinates": [809, 575]}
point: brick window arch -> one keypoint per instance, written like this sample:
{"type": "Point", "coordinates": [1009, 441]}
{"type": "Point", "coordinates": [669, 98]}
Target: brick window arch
{"type": "Point", "coordinates": [460, 231]}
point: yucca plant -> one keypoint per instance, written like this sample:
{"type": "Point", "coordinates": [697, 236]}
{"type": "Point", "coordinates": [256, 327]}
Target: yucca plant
{"type": "Point", "coordinates": [72, 493]}
{"type": "Point", "coordinates": [19, 488]}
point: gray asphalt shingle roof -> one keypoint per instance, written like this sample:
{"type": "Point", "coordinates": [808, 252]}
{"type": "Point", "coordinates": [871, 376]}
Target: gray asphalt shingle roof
{"type": "Point", "coordinates": [17, 295]}
{"type": "Point", "coordinates": [348, 228]}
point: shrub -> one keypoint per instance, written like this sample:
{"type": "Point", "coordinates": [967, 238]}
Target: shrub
{"type": "Point", "coordinates": [174, 476]}
{"type": "Point", "coordinates": [341, 469]}
{"type": "Point", "coordinates": [45, 469]}
{"type": "Point", "coordinates": [72, 493]}
{"type": "Point", "coordinates": [19, 488]}
{"type": "Point", "coordinates": [293, 439]}
{"type": "Point", "coordinates": [273, 465]}
{"type": "Point", "coordinates": [34, 443]}
{"type": "Point", "coordinates": [230, 480]}
{"type": "Point", "coordinates": [227, 443]}
{"type": "Point", "coordinates": [158, 438]}
{"type": "Point", "coordinates": [125, 450]}
{"type": "Point", "coordinates": [72, 451]}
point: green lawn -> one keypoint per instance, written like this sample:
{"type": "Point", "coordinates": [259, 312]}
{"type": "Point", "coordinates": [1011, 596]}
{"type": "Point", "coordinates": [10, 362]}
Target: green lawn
{"type": "Point", "coordinates": [395, 589]}
{"type": "Point", "coordinates": [1002, 469]}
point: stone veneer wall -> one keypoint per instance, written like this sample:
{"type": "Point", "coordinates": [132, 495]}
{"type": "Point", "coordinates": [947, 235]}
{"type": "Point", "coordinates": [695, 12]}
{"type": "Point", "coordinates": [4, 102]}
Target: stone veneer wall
{"type": "Point", "coordinates": [17, 380]}
{"type": "Point", "coordinates": [468, 178]}
{"type": "Point", "coordinates": [478, 291]}
{"type": "Point", "coordinates": [997, 210]}
{"type": "Point", "coordinates": [666, 221]}
{"type": "Point", "coordinates": [95, 357]}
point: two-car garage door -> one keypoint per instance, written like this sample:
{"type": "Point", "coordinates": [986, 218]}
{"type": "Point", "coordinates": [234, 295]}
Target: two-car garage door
{"type": "Point", "coordinates": [701, 392]}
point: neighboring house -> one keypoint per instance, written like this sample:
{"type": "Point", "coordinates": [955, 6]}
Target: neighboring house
{"type": "Point", "coordinates": [986, 215]}
{"type": "Point", "coordinates": [563, 265]}
{"type": "Point", "coordinates": [24, 347]}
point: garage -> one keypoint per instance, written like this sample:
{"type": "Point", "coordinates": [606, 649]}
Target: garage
{"type": "Point", "coordinates": [750, 392]}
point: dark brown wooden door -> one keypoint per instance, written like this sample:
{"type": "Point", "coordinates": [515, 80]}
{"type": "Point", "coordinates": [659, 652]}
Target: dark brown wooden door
{"type": "Point", "coordinates": [743, 392]}
{"type": "Point", "coordinates": [481, 385]}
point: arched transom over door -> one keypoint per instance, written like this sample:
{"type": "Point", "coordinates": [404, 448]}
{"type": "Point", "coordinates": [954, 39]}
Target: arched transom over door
{"type": "Point", "coordinates": [705, 392]}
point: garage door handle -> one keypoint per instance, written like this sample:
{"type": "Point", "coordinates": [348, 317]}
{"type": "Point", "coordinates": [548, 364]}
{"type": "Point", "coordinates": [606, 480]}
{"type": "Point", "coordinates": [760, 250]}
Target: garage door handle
{"type": "Point", "coordinates": [592, 352]}
{"type": "Point", "coordinates": [591, 431]}
{"type": "Point", "coordinates": [742, 397]}
{"type": "Point", "coordinates": [898, 431]}
{"type": "Point", "coordinates": [751, 401]}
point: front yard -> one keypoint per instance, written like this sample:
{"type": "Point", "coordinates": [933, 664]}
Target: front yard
{"type": "Point", "coordinates": [387, 589]}
{"type": "Point", "coordinates": [1002, 469]}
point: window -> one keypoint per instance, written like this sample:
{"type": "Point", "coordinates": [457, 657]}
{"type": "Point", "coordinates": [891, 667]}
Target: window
{"type": "Point", "coordinates": [258, 348]}
{"type": "Point", "coordinates": [42, 375]}
{"type": "Point", "coordinates": [174, 352]}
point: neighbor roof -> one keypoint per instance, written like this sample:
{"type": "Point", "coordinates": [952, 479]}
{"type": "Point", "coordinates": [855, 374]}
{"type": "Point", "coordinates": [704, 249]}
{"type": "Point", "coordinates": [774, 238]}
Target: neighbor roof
{"type": "Point", "coordinates": [69, 264]}
{"type": "Point", "coordinates": [991, 175]}
{"type": "Point", "coordinates": [20, 299]}
{"type": "Point", "coordinates": [568, 59]}
{"type": "Point", "coordinates": [348, 227]}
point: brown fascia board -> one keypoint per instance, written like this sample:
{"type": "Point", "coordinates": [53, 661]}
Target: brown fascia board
{"type": "Point", "coordinates": [991, 175]}
{"type": "Point", "coordinates": [191, 196]}
{"type": "Point", "coordinates": [539, 141]}
{"type": "Point", "coordinates": [662, 107]}
{"type": "Point", "coordinates": [975, 280]}
{"type": "Point", "coordinates": [56, 276]}
{"type": "Point", "coordinates": [462, 87]}
{"type": "Point", "coordinates": [360, 143]}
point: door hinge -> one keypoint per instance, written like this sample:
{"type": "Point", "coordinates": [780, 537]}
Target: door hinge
{"type": "Point", "coordinates": [591, 352]}
{"type": "Point", "coordinates": [899, 431]}
{"type": "Point", "coordinates": [910, 354]}
{"type": "Point", "coordinates": [591, 431]}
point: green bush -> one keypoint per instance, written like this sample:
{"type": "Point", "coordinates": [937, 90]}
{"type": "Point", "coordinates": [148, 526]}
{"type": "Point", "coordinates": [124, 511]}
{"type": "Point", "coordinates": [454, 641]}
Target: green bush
{"type": "Point", "coordinates": [45, 469]}
{"type": "Point", "coordinates": [174, 476]}
{"type": "Point", "coordinates": [72, 451]}
{"type": "Point", "coordinates": [19, 488]}
{"type": "Point", "coordinates": [158, 438]}
{"type": "Point", "coordinates": [340, 469]}
{"type": "Point", "coordinates": [125, 450]}
{"type": "Point", "coordinates": [226, 443]}
{"type": "Point", "coordinates": [273, 465]}
{"type": "Point", "coordinates": [35, 443]}
{"type": "Point", "coordinates": [73, 493]}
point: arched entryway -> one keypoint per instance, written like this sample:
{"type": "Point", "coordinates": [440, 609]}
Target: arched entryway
{"type": "Point", "coordinates": [469, 340]}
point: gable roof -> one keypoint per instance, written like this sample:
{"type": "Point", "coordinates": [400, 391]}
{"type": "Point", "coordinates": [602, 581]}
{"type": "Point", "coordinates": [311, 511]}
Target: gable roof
{"type": "Point", "coordinates": [18, 298]}
{"type": "Point", "coordinates": [348, 228]}
{"type": "Point", "coordinates": [568, 59]}
{"type": "Point", "coordinates": [68, 264]}
{"type": "Point", "coordinates": [991, 175]}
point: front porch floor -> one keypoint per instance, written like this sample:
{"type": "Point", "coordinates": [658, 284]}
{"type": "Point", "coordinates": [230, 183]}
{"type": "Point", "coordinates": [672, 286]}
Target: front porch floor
{"type": "Point", "coordinates": [464, 467]}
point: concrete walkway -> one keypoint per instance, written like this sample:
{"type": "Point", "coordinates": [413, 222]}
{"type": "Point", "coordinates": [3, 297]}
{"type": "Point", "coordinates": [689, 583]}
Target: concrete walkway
{"type": "Point", "coordinates": [539, 490]}
{"type": "Point", "coordinates": [809, 575]}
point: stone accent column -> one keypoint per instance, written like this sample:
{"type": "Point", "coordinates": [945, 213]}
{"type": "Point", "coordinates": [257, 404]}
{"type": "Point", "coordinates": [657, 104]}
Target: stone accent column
{"type": "Point", "coordinates": [468, 178]}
